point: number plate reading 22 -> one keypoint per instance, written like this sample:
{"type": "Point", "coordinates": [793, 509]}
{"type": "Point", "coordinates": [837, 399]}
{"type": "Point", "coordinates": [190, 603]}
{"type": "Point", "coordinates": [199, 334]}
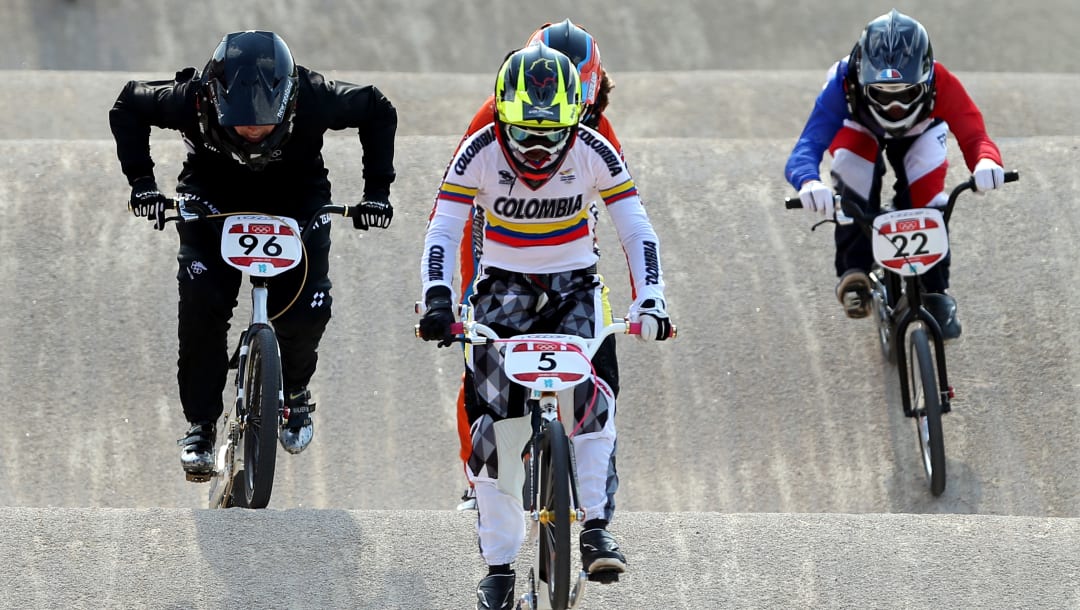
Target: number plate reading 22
{"type": "Point", "coordinates": [910, 242]}
{"type": "Point", "coordinates": [546, 362]}
{"type": "Point", "coordinates": [262, 246]}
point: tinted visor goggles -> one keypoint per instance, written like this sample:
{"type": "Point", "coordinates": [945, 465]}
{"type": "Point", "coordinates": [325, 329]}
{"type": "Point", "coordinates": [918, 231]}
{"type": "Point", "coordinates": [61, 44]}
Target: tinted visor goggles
{"type": "Point", "coordinates": [526, 137]}
{"type": "Point", "coordinates": [902, 94]}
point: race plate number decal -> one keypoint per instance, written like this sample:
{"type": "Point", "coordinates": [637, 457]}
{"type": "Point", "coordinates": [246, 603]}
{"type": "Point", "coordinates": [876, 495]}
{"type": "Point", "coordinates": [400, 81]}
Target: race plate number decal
{"type": "Point", "coordinates": [910, 242]}
{"type": "Point", "coordinates": [545, 364]}
{"type": "Point", "coordinates": [262, 246]}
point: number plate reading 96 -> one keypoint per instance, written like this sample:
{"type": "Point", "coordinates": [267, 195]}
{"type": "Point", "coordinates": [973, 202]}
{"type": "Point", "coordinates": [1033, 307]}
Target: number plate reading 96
{"type": "Point", "coordinates": [262, 246]}
{"type": "Point", "coordinates": [910, 242]}
{"type": "Point", "coordinates": [548, 363]}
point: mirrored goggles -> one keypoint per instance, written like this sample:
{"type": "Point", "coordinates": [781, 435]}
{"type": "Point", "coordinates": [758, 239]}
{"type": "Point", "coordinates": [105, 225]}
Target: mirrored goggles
{"type": "Point", "coordinates": [887, 94]}
{"type": "Point", "coordinates": [539, 136]}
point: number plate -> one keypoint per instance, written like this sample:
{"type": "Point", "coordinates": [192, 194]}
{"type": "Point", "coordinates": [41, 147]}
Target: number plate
{"type": "Point", "coordinates": [262, 246]}
{"type": "Point", "coordinates": [547, 362]}
{"type": "Point", "coordinates": [910, 242]}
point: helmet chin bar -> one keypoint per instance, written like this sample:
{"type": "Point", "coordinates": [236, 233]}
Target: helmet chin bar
{"type": "Point", "coordinates": [551, 153]}
{"type": "Point", "coordinates": [897, 126]}
{"type": "Point", "coordinates": [548, 159]}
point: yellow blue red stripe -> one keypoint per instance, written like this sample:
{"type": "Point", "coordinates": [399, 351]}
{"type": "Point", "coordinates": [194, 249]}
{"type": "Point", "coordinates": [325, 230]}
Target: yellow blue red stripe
{"type": "Point", "coordinates": [524, 236]}
{"type": "Point", "coordinates": [617, 193]}
{"type": "Point", "coordinates": [455, 192]}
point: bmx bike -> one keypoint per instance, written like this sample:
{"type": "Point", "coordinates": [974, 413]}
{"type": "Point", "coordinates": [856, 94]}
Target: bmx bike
{"type": "Point", "coordinates": [261, 246]}
{"type": "Point", "coordinates": [906, 244]}
{"type": "Point", "coordinates": [548, 365]}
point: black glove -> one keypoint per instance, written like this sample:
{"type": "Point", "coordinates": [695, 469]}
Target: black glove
{"type": "Point", "coordinates": [376, 214]}
{"type": "Point", "coordinates": [435, 324]}
{"type": "Point", "coordinates": [147, 201]}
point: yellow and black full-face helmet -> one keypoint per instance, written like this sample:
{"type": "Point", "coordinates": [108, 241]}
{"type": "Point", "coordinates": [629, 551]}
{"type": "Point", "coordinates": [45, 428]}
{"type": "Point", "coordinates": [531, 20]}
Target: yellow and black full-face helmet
{"type": "Point", "coordinates": [538, 107]}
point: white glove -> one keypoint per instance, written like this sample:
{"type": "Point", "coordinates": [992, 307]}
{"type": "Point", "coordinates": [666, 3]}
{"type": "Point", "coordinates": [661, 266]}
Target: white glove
{"type": "Point", "coordinates": [988, 176]}
{"type": "Point", "coordinates": [655, 324]}
{"type": "Point", "coordinates": [817, 198]}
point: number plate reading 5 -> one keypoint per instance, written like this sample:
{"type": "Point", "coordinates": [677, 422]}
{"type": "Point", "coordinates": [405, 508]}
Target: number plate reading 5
{"type": "Point", "coordinates": [262, 246]}
{"type": "Point", "coordinates": [910, 242]}
{"type": "Point", "coordinates": [546, 363]}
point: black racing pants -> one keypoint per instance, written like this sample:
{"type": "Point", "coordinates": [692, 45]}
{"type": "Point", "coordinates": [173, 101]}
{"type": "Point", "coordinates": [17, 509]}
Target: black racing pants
{"type": "Point", "coordinates": [208, 290]}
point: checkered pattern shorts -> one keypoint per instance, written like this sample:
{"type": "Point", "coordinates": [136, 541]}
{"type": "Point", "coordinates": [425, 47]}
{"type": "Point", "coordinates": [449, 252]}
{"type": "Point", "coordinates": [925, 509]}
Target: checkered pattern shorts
{"type": "Point", "coordinates": [513, 304]}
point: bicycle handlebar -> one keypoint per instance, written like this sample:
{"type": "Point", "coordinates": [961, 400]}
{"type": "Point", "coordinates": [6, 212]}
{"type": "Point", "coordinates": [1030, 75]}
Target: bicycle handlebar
{"type": "Point", "coordinates": [792, 203]}
{"type": "Point", "coordinates": [476, 333]}
{"type": "Point", "coordinates": [202, 214]}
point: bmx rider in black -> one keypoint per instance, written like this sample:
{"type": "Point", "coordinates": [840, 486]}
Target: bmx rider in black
{"type": "Point", "coordinates": [253, 123]}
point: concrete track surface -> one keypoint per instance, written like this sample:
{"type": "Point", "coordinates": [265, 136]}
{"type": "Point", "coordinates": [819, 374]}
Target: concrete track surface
{"type": "Point", "coordinates": [765, 461]}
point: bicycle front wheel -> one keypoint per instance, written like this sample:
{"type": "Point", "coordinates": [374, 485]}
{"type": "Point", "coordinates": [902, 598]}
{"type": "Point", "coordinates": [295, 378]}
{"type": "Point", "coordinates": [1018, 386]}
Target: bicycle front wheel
{"type": "Point", "coordinates": [926, 404]}
{"type": "Point", "coordinates": [884, 295]}
{"type": "Point", "coordinates": [554, 552]}
{"type": "Point", "coordinates": [262, 403]}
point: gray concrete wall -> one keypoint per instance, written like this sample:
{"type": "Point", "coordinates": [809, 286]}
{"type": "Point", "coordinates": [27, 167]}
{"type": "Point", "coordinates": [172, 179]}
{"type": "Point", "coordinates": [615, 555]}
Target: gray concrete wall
{"type": "Point", "coordinates": [473, 35]}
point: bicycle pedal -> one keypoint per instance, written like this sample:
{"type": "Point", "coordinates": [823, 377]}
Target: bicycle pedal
{"type": "Point", "coordinates": [198, 477]}
{"type": "Point", "coordinates": [604, 578]}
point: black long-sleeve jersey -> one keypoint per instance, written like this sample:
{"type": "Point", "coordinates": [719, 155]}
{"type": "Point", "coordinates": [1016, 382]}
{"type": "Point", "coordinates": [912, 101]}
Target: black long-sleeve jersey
{"type": "Point", "coordinates": [296, 172]}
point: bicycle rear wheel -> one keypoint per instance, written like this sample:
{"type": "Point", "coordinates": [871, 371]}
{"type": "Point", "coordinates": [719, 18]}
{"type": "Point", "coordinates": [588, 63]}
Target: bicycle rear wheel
{"type": "Point", "coordinates": [926, 403]}
{"type": "Point", "coordinates": [554, 552]}
{"type": "Point", "coordinates": [262, 404]}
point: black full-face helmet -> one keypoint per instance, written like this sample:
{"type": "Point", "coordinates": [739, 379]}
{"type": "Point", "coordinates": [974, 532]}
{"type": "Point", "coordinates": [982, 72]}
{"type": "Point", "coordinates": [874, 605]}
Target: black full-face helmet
{"type": "Point", "coordinates": [891, 73]}
{"type": "Point", "coordinates": [250, 80]}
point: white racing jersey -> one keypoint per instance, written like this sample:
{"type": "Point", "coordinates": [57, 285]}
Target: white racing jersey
{"type": "Point", "coordinates": [548, 230]}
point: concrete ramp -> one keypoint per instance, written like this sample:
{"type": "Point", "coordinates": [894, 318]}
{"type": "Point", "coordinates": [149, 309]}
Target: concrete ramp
{"type": "Point", "coordinates": [769, 401]}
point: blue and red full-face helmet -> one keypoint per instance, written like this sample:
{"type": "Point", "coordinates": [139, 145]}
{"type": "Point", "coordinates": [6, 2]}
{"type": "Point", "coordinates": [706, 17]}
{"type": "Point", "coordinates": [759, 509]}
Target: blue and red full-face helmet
{"type": "Point", "coordinates": [250, 80]}
{"type": "Point", "coordinates": [891, 72]}
{"type": "Point", "coordinates": [578, 44]}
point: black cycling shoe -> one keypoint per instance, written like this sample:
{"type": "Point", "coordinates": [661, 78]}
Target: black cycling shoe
{"type": "Point", "coordinates": [296, 434]}
{"type": "Point", "coordinates": [495, 592]}
{"type": "Point", "coordinates": [197, 455]}
{"type": "Point", "coordinates": [853, 292]}
{"type": "Point", "coordinates": [943, 307]}
{"type": "Point", "coordinates": [600, 553]}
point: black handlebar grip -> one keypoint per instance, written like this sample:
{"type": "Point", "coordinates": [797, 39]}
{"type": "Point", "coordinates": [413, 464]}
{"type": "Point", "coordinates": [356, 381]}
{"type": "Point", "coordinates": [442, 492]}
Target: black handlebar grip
{"type": "Point", "coordinates": [1012, 176]}
{"type": "Point", "coordinates": [793, 203]}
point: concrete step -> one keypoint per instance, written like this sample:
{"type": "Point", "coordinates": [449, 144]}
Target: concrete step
{"type": "Point", "coordinates": [425, 36]}
{"type": "Point", "coordinates": [173, 558]}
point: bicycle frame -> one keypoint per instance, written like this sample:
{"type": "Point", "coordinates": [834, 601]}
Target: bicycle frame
{"type": "Point", "coordinates": [902, 294]}
{"type": "Point", "coordinates": [547, 364]}
{"type": "Point", "coordinates": [566, 358]}
{"type": "Point", "coordinates": [260, 246]}
{"type": "Point", "coordinates": [906, 244]}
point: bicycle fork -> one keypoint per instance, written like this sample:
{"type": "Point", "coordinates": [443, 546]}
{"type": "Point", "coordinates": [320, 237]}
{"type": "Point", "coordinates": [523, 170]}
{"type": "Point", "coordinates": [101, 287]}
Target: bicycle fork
{"type": "Point", "coordinates": [545, 409]}
{"type": "Point", "coordinates": [908, 317]}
